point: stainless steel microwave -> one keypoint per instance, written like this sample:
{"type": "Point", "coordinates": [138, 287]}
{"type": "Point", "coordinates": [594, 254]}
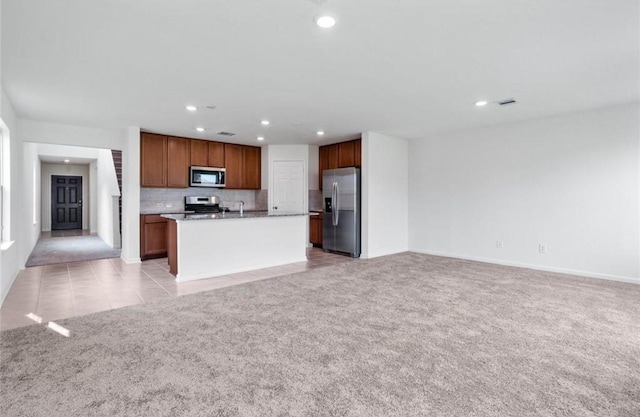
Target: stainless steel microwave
{"type": "Point", "coordinates": [207, 177]}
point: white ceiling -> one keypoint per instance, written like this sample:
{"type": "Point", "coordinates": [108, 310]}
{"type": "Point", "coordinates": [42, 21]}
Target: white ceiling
{"type": "Point", "coordinates": [53, 159]}
{"type": "Point", "coordinates": [407, 68]}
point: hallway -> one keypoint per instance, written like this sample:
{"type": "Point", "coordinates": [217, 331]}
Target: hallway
{"type": "Point", "coordinates": [63, 246]}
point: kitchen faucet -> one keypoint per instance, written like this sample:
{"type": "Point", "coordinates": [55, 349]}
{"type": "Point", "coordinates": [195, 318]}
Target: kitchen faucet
{"type": "Point", "coordinates": [241, 208]}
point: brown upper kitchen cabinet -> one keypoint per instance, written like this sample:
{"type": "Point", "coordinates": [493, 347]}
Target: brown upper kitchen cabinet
{"type": "Point", "coordinates": [205, 153]}
{"type": "Point", "coordinates": [164, 161]}
{"type": "Point", "coordinates": [215, 152]}
{"type": "Point", "coordinates": [346, 154]}
{"type": "Point", "coordinates": [252, 168]}
{"type": "Point", "coordinates": [178, 161]}
{"type": "Point", "coordinates": [199, 153]}
{"type": "Point", "coordinates": [339, 155]}
{"type": "Point", "coordinates": [233, 162]}
{"type": "Point", "coordinates": [333, 156]}
{"type": "Point", "coordinates": [153, 160]}
{"type": "Point", "coordinates": [243, 165]}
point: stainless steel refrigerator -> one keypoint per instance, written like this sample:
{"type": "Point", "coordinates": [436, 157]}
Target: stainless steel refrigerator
{"type": "Point", "coordinates": [341, 222]}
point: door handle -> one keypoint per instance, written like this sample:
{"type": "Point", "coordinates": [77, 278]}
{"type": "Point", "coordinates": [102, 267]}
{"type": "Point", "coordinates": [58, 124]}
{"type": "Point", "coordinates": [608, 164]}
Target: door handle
{"type": "Point", "coordinates": [334, 208]}
{"type": "Point", "coordinates": [337, 207]}
{"type": "Point", "coordinates": [275, 207]}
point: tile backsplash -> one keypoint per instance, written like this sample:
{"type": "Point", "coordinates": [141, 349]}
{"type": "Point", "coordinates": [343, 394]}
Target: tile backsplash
{"type": "Point", "coordinates": [172, 199]}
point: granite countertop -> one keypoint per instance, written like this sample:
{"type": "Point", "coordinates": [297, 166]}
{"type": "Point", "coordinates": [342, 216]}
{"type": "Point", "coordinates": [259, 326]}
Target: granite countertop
{"type": "Point", "coordinates": [192, 212]}
{"type": "Point", "coordinates": [165, 212]}
{"type": "Point", "coordinates": [230, 215]}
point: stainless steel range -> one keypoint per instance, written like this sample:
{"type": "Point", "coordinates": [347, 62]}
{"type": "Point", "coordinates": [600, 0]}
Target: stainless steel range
{"type": "Point", "coordinates": [203, 204]}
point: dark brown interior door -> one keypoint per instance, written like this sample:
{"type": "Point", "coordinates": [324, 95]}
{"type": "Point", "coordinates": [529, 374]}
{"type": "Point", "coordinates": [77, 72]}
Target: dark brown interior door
{"type": "Point", "coordinates": [66, 202]}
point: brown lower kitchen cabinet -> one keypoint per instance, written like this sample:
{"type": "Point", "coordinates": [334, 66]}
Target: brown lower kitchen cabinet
{"type": "Point", "coordinates": [153, 236]}
{"type": "Point", "coordinates": [315, 230]}
{"type": "Point", "coordinates": [172, 246]}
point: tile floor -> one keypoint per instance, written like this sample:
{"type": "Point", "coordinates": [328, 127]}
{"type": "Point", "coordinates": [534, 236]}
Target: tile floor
{"type": "Point", "coordinates": [60, 291]}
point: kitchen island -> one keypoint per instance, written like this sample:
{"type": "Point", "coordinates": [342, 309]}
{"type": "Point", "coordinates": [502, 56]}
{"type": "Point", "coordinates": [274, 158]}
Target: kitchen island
{"type": "Point", "coordinates": [211, 245]}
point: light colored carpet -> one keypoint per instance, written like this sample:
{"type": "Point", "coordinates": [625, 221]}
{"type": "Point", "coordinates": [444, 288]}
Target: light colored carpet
{"type": "Point", "coordinates": [405, 335]}
{"type": "Point", "coordinates": [58, 250]}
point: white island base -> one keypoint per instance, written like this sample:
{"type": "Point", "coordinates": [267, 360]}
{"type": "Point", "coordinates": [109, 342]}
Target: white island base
{"type": "Point", "coordinates": [204, 248]}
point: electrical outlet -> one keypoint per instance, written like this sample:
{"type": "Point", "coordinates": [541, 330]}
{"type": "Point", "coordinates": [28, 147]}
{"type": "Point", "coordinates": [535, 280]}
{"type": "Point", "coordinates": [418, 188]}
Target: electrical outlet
{"type": "Point", "coordinates": [499, 243]}
{"type": "Point", "coordinates": [169, 205]}
{"type": "Point", "coordinates": [542, 248]}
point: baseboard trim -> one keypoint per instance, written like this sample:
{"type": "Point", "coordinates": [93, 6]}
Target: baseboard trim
{"type": "Point", "coordinates": [371, 255]}
{"type": "Point", "coordinates": [130, 260]}
{"type": "Point", "coordinates": [197, 276]}
{"type": "Point", "coordinates": [630, 280]}
{"type": "Point", "coordinates": [13, 281]}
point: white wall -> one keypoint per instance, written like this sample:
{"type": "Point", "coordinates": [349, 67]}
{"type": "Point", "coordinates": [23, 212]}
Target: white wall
{"type": "Point", "coordinates": [61, 134]}
{"type": "Point", "coordinates": [314, 167]}
{"type": "Point", "coordinates": [570, 182]}
{"type": "Point", "coordinates": [264, 167]}
{"type": "Point", "coordinates": [131, 195]}
{"type": "Point", "coordinates": [107, 183]}
{"type": "Point", "coordinates": [93, 196]}
{"type": "Point", "coordinates": [47, 170]}
{"type": "Point", "coordinates": [30, 217]}
{"type": "Point", "coordinates": [385, 195]}
{"type": "Point", "coordinates": [12, 255]}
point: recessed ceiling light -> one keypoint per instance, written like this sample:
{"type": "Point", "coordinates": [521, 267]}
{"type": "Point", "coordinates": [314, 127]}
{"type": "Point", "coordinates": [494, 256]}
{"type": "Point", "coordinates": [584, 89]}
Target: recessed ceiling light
{"type": "Point", "coordinates": [66, 161]}
{"type": "Point", "coordinates": [325, 21]}
{"type": "Point", "coordinates": [265, 122]}
{"type": "Point", "coordinates": [320, 132]}
{"type": "Point", "coordinates": [191, 108]}
{"type": "Point", "coordinates": [481, 103]}
{"type": "Point", "coordinates": [200, 129]}
{"type": "Point", "coordinates": [260, 138]}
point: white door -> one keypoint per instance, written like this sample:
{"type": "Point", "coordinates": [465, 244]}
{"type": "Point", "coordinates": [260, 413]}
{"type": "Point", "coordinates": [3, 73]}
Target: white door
{"type": "Point", "coordinates": [288, 186]}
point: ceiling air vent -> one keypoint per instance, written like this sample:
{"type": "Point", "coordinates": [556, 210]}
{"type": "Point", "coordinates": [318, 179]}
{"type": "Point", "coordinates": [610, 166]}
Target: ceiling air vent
{"type": "Point", "coordinates": [226, 133]}
{"type": "Point", "coordinates": [507, 101]}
